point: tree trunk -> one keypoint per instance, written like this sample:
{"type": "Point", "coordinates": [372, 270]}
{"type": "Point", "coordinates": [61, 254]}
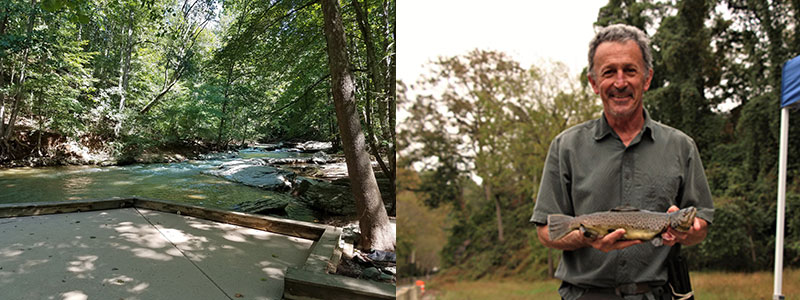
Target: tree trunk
{"type": "Point", "coordinates": [487, 189]}
{"type": "Point", "coordinates": [376, 231]}
{"type": "Point", "coordinates": [167, 88]}
{"type": "Point", "coordinates": [18, 95]}
{"type": "Point", "coordinates": [3, 24]}
{"type": "Point", "coordinates": [124, 70]}
{"type": "Point", "coordinates": [228, 83]}
{"type": "Point", "coordinates": [125, 63]}
{"type": "Point", "coordinates": [224, 106]}
{"type": "Point", "coordinates": [377, 92]}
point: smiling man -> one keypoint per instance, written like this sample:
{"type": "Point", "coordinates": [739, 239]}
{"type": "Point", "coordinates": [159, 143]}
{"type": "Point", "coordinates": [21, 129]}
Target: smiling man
{"type": "Point", "coordinates": [624, 158]}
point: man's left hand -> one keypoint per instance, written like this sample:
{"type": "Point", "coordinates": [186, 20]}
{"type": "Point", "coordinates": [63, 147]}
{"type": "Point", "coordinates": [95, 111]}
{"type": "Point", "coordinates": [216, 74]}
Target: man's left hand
{"type": "Point", "coordinates": [694, 236]}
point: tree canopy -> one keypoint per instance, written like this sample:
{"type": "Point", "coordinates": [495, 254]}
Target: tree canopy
{"type": "Point", "coordinates": [125, 76]}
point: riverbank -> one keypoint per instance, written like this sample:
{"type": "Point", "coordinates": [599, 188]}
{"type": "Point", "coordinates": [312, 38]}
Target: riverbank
{"type": "Point", "coordinates": [74, 153]}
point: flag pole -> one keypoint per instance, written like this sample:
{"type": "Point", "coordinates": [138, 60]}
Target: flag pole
{"type": "Point", "coordinates": [777, 295]}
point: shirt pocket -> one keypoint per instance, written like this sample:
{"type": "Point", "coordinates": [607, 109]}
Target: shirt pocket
{"type": "Point", "coordinates": [658, 191]}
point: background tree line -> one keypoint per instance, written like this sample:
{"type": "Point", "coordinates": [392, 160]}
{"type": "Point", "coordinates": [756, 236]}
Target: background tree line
{"type": "Point", "coordinates": [717, 77]}
{"type": "Point", "coordinates": [123, 76]}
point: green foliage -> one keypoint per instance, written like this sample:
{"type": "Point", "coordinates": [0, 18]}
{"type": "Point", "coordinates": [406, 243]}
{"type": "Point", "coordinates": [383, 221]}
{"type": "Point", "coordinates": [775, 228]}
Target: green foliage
{"type": "Point", "coordinates": [127, 74]}
{"type": "Point", "coordinates": [637, 13]}
{"type": "Point", "coordinates": [482, 114]}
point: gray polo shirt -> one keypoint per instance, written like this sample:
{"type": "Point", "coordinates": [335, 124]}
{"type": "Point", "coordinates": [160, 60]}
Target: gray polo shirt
{"type": "Point", "coordinates": [588, 169]}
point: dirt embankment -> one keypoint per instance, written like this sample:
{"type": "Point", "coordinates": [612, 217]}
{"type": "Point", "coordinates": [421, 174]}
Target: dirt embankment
{"type": "Point", "coordinates": [31, 148]}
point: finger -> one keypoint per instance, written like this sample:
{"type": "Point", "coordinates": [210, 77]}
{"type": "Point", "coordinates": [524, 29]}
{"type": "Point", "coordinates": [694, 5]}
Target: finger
{"type": "Point", "coordinates": [668, 236]}
{"type": "Point", "coordinates": [697, 224]}
{"type": "Point", "coordinates": [672, 209]}
{"type": "Point", "coordinates": [625, 244]}
{"type": "Point", "coordinates": [616, 235]}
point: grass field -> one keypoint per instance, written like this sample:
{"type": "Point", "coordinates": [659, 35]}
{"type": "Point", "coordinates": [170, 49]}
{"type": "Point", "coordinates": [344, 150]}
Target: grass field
{"type": "Point", "coordinates": [707, 286]}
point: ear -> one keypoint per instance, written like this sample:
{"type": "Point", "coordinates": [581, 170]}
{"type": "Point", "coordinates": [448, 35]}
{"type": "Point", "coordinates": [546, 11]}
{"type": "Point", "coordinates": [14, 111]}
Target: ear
{"type": "Point", "coordinates": [648, 79]}
{"type": "Point", "coordinates": [595, 88]}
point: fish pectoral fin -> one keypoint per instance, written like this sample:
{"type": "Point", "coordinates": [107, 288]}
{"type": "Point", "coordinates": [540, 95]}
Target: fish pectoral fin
{"type": "Point", "coordinates": [588, 232]}
{"type": "Point", "coordinates": [657, 241]}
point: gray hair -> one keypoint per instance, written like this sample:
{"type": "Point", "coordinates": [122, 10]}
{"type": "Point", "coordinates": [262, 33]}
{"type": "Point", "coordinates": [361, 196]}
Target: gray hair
{"type": "Point", "coordinates": [621, 33]}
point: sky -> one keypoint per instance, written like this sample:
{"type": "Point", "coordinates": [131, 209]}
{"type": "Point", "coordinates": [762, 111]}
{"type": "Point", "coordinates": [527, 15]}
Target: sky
{"type": "Point", "coordinates": [528, 31]}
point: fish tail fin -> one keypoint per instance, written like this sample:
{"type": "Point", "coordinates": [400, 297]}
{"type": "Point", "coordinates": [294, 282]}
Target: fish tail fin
{"type": "Point", "coordinates": [558, 226]}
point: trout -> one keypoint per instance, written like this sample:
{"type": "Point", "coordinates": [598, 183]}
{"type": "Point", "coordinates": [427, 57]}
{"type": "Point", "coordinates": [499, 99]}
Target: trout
{"type": "Point", "coordinates": [638, 224]}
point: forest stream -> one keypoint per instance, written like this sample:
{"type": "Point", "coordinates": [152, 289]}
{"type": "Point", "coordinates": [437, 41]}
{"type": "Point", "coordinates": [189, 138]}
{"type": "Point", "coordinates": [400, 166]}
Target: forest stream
{"type": "Point", "coordinates": [189, 181]}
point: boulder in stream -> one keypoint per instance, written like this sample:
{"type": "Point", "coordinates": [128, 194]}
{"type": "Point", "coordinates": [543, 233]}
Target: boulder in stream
{"type": "Point", "coordinates": [280, 205]}
{"type": "Point", "coordinates": [326, 197]}
{"type": "Point", "coordinates": [319, 158]}
{"type": "Point", "coordinates": [253, 172]}
{"type": "Point", "coordinates": [309, 146]}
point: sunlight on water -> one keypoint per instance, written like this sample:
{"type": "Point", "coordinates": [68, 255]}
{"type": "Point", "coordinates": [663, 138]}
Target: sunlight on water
{"type": "Point", "coordinates": [180, 182]}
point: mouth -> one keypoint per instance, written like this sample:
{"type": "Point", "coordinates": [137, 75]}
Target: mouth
{"type": "Point", "coordinates": [623, 95]}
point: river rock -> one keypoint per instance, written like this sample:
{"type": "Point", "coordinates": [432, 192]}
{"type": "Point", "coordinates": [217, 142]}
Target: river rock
{"type": "Point", "coordinates": [333, 170]}
{"type": "Point", "coordinates": [323, 196]}
{"type": "Point", "coordinates": [274, 205]}
{"type": "Point", "coordinates": [322, 158]}
{"type": "Point", "coordinates": [286, 160]}
{"type": "Point", "coordinates": [218, 155]}
{"type": "Point", "coordinates": [279, 205]}
{"type": "Point", "coordinates": [309, 146]}
{"type": "Point", "coordinates": [319, 158]}
{"type": "Point", "coordinates": [253, 172]}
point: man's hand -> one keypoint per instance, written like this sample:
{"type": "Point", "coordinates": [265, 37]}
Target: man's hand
{"type": "Point", "coordinates": [576, 240]}
{"type": "Point", "coordinates": [694, 236]}
{"type": "Point", "coordinates": [612, 241]}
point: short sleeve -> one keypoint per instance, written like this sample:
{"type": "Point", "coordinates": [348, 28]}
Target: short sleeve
{"type": "Point", "coordinates": [696, 191]}
{"type": "Point", "coordinates": [553, 196]}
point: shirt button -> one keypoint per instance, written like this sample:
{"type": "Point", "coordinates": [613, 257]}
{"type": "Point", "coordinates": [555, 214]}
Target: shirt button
{"type": "Point", "coordinates": [622, 263]}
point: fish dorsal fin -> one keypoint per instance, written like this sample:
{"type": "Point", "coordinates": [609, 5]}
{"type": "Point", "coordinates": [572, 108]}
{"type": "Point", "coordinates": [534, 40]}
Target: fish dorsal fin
{"type": "Point", "coordinates": [625, 208]}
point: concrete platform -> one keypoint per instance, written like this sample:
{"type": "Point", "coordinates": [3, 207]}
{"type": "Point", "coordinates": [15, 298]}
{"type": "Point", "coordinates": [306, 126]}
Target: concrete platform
{"type": "Point", "coordinates": [137, 253]}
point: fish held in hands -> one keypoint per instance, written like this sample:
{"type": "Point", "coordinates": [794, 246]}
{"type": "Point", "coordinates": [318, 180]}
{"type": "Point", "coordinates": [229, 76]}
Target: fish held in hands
{"type": "Point", "coordinates": [638, 224]}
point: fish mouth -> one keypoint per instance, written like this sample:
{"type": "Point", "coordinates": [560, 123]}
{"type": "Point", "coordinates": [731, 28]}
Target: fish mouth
{"type": "Point", "coordinates": [687, 216]}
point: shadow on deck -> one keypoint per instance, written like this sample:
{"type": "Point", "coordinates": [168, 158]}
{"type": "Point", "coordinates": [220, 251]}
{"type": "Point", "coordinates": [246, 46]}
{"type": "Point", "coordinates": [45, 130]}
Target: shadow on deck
{"type": "Point", "coordinates": [134, 248]}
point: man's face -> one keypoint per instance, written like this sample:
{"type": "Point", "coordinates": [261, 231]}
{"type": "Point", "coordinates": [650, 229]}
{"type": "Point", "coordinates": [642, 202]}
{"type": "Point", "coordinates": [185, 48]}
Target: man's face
{"type": "Point", "coordinates": [620, 77]}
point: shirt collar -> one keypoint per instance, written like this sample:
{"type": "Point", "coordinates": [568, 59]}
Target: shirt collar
{"type": "Point", "coordinates": [604, 129]}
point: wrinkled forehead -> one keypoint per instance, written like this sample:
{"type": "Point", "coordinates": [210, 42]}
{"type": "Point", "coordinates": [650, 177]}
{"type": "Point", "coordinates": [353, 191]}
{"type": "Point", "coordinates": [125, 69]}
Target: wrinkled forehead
{"type": "Point", "coordinates": [618, 54]}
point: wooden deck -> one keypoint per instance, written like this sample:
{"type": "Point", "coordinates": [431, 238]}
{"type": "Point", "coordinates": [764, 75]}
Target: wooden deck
{"type": "Point", "coordinates": [133, 248]}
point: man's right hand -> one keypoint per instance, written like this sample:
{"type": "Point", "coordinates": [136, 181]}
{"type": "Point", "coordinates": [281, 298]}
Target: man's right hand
{"type": "Point", "coordinates": [612, 241]}
{"type": "Point", "coordinates": [576, 240]}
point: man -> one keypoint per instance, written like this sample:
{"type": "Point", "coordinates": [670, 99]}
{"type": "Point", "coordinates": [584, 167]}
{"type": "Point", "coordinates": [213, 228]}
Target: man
{"type": "Point", "coordinates": [621, 159]}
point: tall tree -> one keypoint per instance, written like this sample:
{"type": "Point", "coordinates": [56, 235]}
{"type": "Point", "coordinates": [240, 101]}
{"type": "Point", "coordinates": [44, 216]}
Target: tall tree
{"type": "Point", "coordinates": [380, 96]}
{"type": "Point", "coordinates": [18, 86]}
{"type": "Point", "coordinates": [482, 114]}
{"type": "Point", "coordinates": [680, 99]}
{"type": "Point", "coordinates": [188, 21]}
{"type": "Point", "coordinates": [376, 231]}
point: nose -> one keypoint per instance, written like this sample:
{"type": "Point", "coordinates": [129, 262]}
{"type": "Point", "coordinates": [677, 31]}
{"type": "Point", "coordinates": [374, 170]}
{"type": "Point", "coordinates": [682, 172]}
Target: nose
{"type": "Point", "coordinates": [619, 80]}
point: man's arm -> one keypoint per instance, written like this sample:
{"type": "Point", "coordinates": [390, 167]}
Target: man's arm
{"type": "Point", "coordinates": [696, 234]}
{"type": "Point", "coordinates": [576, 240]}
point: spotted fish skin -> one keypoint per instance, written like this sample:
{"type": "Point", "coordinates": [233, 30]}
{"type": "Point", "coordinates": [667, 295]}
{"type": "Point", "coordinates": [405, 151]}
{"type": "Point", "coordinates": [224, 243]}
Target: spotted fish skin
{"type": "Point", "coordinates": [638, 224]}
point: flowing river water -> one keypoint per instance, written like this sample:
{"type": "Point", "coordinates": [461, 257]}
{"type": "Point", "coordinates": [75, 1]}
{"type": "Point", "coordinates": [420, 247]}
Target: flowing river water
{"type": "Point", "coordinates": [180, 182]}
